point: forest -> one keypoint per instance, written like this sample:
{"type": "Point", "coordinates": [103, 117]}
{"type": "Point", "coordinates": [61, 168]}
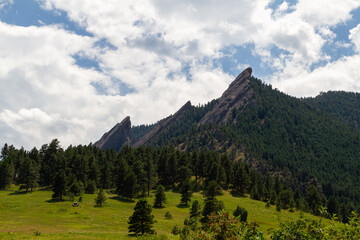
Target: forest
{"type": "Point", "coordinates": [134, 173]}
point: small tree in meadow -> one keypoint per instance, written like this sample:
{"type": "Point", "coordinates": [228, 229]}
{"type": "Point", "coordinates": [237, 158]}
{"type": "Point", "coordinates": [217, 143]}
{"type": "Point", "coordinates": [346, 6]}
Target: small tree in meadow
{"type": "Point", "coordinates": [142, 220]}
{"type": "Point", "coordinates": [159, 197]}
{"type": "Point", "coordinates": [186, 192]}
{"type": "Point", "coordinates": [100, 199]}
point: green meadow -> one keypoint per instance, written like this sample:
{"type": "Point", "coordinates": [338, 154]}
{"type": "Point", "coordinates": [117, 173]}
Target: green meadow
{"type": "Point", "coordinates": [35, 216]}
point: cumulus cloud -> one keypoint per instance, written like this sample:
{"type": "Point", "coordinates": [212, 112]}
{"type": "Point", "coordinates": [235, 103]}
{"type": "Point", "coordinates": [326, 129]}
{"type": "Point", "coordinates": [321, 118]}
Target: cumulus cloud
{"type": "Point", "coordinates": [355, 37]}
{"type": "Point", "coordinates": [165, 52]}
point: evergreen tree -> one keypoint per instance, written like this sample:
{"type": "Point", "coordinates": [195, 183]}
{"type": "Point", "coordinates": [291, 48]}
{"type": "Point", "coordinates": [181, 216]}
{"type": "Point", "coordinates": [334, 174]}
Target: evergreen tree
{"type": "Point", "coordinates": [29, 174]}
{"type": "Point", "coordinates": [239, 211]}
{"type": "Point", "coordinates": [211, 206]}
{"type": "Point", "coordinates": [333, 206]}
{"type": "Point", "coordinates": [195, 210]}
{"type": "Point", "coordinates": [59, 186]}
{"type": "Point", "coordinates": [130, 185]}
{"type": "Point", "coordinates": [142, 220]}
{"type": "Point", "coordinates": [101, 198]}
{"type": "Point", "coordinates": [212, 190]}
{"type": "Point", "coordinates": [160, 197]}
{"type": "Point", "coordinates": [186, 191]}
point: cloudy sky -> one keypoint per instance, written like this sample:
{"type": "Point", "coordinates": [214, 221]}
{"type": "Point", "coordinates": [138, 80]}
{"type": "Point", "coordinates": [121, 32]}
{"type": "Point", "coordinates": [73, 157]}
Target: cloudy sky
{"type": "Point", "coordinates": [71, 69]}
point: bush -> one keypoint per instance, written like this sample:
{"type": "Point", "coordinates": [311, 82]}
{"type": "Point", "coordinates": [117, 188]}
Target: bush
{"type": "Point", "coordinates": [241, 213]}
{"type": "Point", "coordinates": [90, 187]}
{"type": "Point", "coordinates": [168, 215]}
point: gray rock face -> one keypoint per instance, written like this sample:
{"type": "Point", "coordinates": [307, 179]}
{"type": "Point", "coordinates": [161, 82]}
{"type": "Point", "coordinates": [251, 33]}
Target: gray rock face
{"type": "Point", "coordinates": [162, 125]}
{"type": "Point", "coordinates": [117, 137]}
{"type": "Point", "coordinates": [237, 96]}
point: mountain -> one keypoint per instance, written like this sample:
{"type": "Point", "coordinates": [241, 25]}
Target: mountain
{"type": "Point", "coordinates": [344, 106]}
{"type": "Point", "coordinates": [117, 137]}
{"type": "Point", "coordinates": [273, 132]}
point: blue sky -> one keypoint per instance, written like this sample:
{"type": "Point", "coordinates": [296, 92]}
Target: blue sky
{"type": "Point", "coordinates": [71, 69]}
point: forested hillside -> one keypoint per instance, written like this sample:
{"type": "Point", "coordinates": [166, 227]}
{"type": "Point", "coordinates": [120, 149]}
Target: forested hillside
{"type": "Point", "coordinates": [344, 106]}
{"type": "Point", "coordinates": [277, 134]}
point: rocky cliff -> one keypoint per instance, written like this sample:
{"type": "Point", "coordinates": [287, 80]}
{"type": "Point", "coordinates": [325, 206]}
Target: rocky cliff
{"type": "Point", "coordinates": [162, 125]}
{"type": "Point", "coordinates": [117, 137]}
{"type": "Point", "coordinates": [237, 96]}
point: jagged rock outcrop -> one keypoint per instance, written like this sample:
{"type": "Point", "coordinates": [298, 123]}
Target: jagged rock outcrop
{"type": "Point", "coordinates": [238, 95]}
{"type": "Point", "coordinates": [117, 137]}
{"type": "Point", "coordinates": [162, 125]}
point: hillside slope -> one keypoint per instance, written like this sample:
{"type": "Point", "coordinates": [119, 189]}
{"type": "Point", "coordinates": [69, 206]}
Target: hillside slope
{"type": "Point", "coordinates": [273, 132]}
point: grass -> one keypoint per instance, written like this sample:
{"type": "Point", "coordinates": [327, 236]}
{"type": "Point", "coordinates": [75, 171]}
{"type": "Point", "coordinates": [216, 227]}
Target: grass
{"type": "Point", "coordinates": [35, 216]}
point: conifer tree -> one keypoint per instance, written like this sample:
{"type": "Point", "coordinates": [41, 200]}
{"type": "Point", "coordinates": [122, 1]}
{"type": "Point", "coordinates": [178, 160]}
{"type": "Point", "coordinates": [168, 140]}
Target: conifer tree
{"type": "Point", "coordinates": [195, 210]}
{"type": "Point", "coordinates": [59, 186]}
{"type": "Point", "coordinates": [142, 220]}
{"type": "Point", "coordinates": [186, 192]}
{"type": "Point", "coordinates": [29, 174]}
{"type": "Point", "coordinates": [159, 197]}
{"type": "Point", "coordinates": [101, 198]}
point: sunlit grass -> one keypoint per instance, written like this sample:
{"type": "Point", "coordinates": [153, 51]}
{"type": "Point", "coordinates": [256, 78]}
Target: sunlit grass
{"type": "Point", "coordinates": [34, 215]}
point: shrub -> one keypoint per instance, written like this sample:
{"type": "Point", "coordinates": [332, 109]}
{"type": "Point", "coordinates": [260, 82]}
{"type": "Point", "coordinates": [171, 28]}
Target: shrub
{"type": "Point", "coordinates": [241, 213]}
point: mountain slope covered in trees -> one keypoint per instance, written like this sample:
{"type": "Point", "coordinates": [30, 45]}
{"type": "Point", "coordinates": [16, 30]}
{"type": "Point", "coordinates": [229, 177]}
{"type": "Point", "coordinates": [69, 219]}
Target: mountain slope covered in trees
{"type": "Point", "coordinates": [275, 133]}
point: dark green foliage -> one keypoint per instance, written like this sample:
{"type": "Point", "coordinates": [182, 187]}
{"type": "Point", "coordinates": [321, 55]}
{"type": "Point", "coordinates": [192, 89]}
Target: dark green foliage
{"type": "Point", "coordinates": [313, 199]}
{"type": "Point", "coordinates": [186, 192]}
{"type": "Point", "coordinates": [100, 198]}
{"type": "Point", "coordinates": [168, 215]}
{"type": "Point", "coordinates": [29, 173]}
{"type": "Point", "coordinates": [142, 220]}
{"type": "Point", "coordinates": [130, 185]}
{"type": "Point", "coordinates": [211, 206]}
{"type": "Point", "coordinates": [90, 187]}
{"type": "Point", "coordinates": [160, 197]}
{"type": "Point", "coordinates": [333, 207]}
{"type": "Point", "coordinates": [77, 188]}
{"type": "Point", "coordinates": [344, 106]}
{"type": "Point", "coordinates": [212, 190]}
{"type": "Point", "coordinates": [241, 213]}
{"type": "Point", "coordinates": [60, 185]}
{"type": "Point", "coordinates": [286, 199]}
{"type": "Point", "coordinates": [195, 210]}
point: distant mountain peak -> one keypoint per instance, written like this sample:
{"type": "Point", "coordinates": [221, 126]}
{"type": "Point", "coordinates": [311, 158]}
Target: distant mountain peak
{"type": "Point", "coordinates": [162, 125]}
{"type": "Point", "coordinates": [117, 137]}
{"type": "Point", "coordinates": [238, 95]}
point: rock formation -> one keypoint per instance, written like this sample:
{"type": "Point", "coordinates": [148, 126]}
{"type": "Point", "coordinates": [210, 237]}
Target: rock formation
{"type": "Point", "coordinates": [238, 95]}
{"type": "Point", "coordinates": [162, 125]}
{"type": "Point", "coordinates": [117, 137]}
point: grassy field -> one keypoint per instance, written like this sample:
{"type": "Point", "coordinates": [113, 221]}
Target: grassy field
{"type": "Point", "coordinates": [35, 216]}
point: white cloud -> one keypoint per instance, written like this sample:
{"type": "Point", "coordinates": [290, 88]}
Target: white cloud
{"type": "Point", "coordinates": [355, 37]}
{"type": "Point", "coordinates": [4, 3]}
{"type": "Point", "coordinates": [155, 41]}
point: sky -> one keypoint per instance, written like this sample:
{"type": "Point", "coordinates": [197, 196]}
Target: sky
{"type": "Point", "coordinates": [72, 69]}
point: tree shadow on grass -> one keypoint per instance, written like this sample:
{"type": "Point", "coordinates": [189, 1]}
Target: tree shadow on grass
{"type": "Point", "coordinates": [236, 194]}
{"type": "Point", "coordinates": [19, 193]}
{"type": "Point", "coordinates": [54, 201]}
{"type": "Point", "coordinates": [180, 205]}
{"type": "Point", "coordinates": [122, 199]}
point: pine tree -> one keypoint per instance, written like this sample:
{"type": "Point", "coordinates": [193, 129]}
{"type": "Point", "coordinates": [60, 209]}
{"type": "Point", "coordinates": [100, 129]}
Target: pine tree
{"type": "Point", "coordinates": [239, 211]}
{"type": "Point", "coordinates": [100, 199]}
{"type": "Point", "coordinates": [142, 220]}
{"type": "Point", "coordinates": [211, 206]}
{"type": "Point", "coordinates": [29, 174]}
{"type": "Point", "coordinates": [59, 186]}
{"type": "Point", "coordinates": [186, 192]}
{"type": "Point", "coordinates": [212, 190]}
{"type": "Point", "coordinates": [130, 185]}
{"type": "Point", "coordinates": [195, 210]}
{"type": "Point", "coordinates": [159, 197]}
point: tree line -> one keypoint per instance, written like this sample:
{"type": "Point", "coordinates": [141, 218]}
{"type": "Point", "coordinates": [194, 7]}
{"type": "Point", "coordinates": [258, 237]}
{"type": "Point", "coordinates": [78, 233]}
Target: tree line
{"type": "Point", "coordinates": [134, 173]}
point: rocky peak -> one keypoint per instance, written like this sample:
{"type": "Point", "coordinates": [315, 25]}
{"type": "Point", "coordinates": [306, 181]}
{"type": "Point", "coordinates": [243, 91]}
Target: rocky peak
{"type": "Point", "coordinates": [117, 137]}
{"type": "Point", "coordinates": [238, 95]}
{"type": "Point", "coordinates": [162, 125]}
